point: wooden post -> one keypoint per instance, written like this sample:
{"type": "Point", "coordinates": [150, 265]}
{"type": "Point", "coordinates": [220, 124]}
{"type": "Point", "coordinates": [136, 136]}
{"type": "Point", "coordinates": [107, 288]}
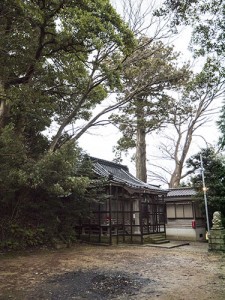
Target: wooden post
{"type": "Point", "coordinates": [131, 220]}
{"type": "Point", "coordinates": [123, 216]}
{"type": "Point", "coordinates": [99, 224]}
{"type": "Point", "coordinates": [110, 215]}
{"type": "Point", "coordinates": [141, 221]}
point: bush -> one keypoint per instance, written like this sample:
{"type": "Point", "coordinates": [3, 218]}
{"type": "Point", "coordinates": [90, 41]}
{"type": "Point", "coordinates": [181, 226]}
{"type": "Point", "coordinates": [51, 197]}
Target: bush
{"type": "Point", "coordinates": [18, 237]}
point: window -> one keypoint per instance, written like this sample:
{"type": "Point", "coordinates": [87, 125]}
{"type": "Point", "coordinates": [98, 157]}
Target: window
{"type": "Point", "coordinates": [170, 211]}
{"type": "Point", "coordinates": [179, 210]}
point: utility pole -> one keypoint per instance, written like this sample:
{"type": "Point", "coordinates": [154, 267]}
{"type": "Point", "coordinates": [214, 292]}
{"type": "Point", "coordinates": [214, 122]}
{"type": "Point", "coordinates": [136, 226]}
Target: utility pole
{"type": "Point", "coordinates": [204, 192]}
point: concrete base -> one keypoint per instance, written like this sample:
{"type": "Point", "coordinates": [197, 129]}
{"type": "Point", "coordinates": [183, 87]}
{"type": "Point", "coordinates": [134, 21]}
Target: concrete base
{"type": "Point", "coordinates": [186, 234]}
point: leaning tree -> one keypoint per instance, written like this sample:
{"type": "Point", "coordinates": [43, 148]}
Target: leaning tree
{"type": "Point", "coordinates": [196, 106]}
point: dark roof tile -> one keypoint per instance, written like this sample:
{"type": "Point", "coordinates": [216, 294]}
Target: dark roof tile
{"type": "Point", "coordinates": [179, 192]}
{"type": "Point", "coordinates": [120, 174]}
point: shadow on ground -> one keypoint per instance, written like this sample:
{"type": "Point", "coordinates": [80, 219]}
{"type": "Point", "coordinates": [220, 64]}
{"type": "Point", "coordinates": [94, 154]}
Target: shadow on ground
{"type": "Point", "coordinates": [91, 284]}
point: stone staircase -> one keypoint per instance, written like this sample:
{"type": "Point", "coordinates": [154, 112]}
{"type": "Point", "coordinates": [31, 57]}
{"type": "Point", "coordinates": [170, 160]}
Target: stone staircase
{"type": "Point", "coordinates": [159, 238]}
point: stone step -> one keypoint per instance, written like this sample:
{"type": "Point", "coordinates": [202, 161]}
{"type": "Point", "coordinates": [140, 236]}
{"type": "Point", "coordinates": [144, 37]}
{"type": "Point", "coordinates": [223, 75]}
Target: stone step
{"type": "Point", "coordinates": [158, 236]}
{"type": "Point", "coordinates": [156, 239]}
{"type": "Point", "coordinates": [161, 241]}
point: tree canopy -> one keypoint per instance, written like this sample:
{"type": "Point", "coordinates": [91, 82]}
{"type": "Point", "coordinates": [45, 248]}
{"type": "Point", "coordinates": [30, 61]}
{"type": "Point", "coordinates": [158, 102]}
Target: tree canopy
{"type": "Point", "coordinates": [214, 173]}
{"type": "Point", "coordinates": [193, 108]}
{"type": "Point", "coordinates": [150, 74]}
{"type": "Point", "coordinates": [206, 17]}
{"type": "Point", "coordinates": [58, 53]}
{"type": "Point", "coordinates": [59, 59]}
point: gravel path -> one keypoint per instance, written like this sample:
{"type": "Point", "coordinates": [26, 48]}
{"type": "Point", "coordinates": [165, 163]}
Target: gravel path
{"type": "Point", "coordinates": [117, 272]}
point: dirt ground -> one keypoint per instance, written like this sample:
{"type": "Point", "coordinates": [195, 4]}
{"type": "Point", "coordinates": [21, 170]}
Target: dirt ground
{"type": "Point", "coordinates": [114, 272]}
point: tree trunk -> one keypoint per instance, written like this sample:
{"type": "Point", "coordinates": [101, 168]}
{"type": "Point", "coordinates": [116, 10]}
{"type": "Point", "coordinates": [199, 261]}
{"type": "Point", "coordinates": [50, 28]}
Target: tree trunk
{"type": "Point", "coordinates": [4, 109]}
{"type": "Point", "coordinates": [141, 169]}
{"type": "Point", "coordinates": [176, 176]}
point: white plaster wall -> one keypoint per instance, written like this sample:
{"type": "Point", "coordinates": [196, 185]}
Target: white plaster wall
{"type": "Point", "coordinates": [188, 234]}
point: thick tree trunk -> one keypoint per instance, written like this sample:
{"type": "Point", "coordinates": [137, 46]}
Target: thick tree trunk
{"type": "Point", "coordinates": [179, 162]}
{"type": "Point", "coordinates": [141, 170]}
{"type": "Point", "coordinates": [176, 176]}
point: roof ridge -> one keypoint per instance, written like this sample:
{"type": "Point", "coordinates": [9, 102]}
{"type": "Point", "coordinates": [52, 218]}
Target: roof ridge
{"type": "Point", "coordinates": [109, 162]}
{"type": "Point", "coordinates": [182, 188]}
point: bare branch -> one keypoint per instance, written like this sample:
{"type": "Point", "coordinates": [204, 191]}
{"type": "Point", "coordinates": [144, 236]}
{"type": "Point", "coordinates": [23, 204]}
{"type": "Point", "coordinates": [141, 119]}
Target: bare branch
{"type": "Point", "coordinates": [164, 169]}
{"type": "Point", "coordinates": [157, 177]}
{"type": "Point", "coordinates": [186, 124]}
{"type": "Point", "coordinates": [140, 18]}
{"type": "Point", "coordinates": [187, 173]}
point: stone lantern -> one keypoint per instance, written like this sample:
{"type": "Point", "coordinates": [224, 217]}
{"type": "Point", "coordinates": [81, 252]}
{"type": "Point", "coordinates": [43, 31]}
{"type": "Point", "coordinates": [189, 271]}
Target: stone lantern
{"type": "Point", "coordinates": [217, 234]}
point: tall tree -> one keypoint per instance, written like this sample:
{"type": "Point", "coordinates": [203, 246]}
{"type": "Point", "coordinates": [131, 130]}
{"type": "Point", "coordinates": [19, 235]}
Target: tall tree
{"type": "Point", "coordinates": [139, 15]}
{"type": "Point", "coordinates": [49, 47]}
{"type": "Point", "coordinates": [206, 18]}
{"type": "Point", "coordinates": [59, 59]}
{"type": "Point", "coordinates": [195, 108]}
{"type": "Point", "coordinates": [153, 67]}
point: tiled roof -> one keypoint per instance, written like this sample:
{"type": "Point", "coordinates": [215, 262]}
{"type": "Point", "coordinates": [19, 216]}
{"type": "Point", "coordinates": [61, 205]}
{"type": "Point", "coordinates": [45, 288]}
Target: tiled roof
{"type": "Point", "coordinates": [120, 174]}
{"type": "Point", "coordinates": [179, 192]}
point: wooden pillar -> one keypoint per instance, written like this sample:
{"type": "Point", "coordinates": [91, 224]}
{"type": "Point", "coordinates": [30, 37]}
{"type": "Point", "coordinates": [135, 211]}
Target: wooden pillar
{"type": "Point", "coordinates": [99, 224]}
{"type": "Point", "coordinates": [131, 220]}
{"type": "Point", "coordinates": [123, 216]}
{"type": "Point", "coordinates": [141, 221]}
{"type": "Point", "coordinates": [165, 213]}
{"type": "Point", "coordinates": [136, 216]}
{"type": "Point", "coordinates": [89, 224]}
{"type": "Point", "coordinates": [110, 214]}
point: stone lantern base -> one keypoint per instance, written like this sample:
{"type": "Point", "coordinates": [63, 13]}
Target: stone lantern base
{"type": "Point", "coordinates": [217, 239]}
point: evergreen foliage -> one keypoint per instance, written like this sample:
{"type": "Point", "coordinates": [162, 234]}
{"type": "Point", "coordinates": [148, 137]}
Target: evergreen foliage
{"type": "Point", "coordinates": [150, 75]}
{"type": "Point", "coordinates": [214, 173]}
{"type": "Point", "coordinates": [55, 57]}
{"type": "Point", "coordinates": [206, 17]}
